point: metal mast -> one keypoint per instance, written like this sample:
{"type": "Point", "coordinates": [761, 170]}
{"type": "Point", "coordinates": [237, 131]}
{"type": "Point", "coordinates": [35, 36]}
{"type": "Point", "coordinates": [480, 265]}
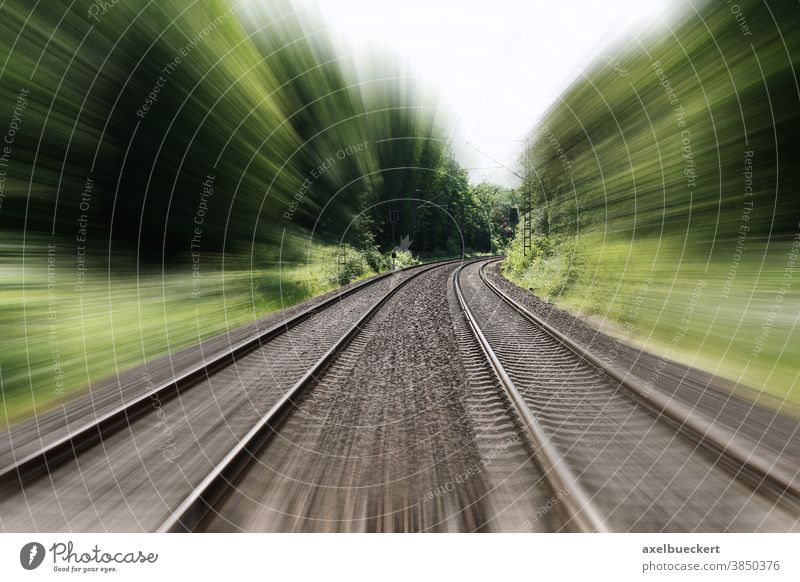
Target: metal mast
{"type": "Point", "coordinates": [526, 200]}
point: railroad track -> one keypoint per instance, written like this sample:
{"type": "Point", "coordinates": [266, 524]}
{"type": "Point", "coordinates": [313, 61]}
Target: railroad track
{"type": "Point", "coordinates": [194, 508]}
{"type": "Point", "coordinates": [596, 455]}
{"type": "Point", "coordinates": [403, 430]}
{"type": "Point", "coordinates": [321, 324]}
{"type": "Point", "coordinates": [722, 441]}
{"type": "Point", "coordinates": [606, 443]}
{"type": "Point", "coordinates": [581, 509]}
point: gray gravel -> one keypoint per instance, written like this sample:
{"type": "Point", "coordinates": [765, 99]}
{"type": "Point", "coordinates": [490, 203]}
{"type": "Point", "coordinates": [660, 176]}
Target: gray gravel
{"type": "Point", "coordinates": [397, 435]}
{"type": "Point", "coordinates": [769, 433]}
{"type": "Point", "coordinates": [27, 436]}
{"type": "Point", "coordinates": [639, 472]}
{"type": "Point", "coordinates": [133, 480]}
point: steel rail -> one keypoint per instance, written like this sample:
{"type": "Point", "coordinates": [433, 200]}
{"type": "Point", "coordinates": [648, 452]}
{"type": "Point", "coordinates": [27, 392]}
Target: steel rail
{"type": "Point", "coordinates": [581, 509]}
{"type": "Point", "coordinates": [713, 436]}
{"type": "Point", "coordinates": [35, 464]}
{"type": "Point", "coordinates": [191, 511]}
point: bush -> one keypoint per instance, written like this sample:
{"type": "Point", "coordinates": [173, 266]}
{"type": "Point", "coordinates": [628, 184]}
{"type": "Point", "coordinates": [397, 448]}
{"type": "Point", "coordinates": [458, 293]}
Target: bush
{"type": "Point", "coordinates": [373, 257]}
{"type": "Point", "coordinates": [517, 263]}
{"type": "Point", "coordinates": [351, 264]}
{"type": "Point", "coordinates": [404, 259]}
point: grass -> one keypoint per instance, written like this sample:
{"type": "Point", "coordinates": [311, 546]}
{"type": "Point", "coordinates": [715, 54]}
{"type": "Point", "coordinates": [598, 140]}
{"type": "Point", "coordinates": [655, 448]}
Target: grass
{"type": "Point", "coordinates": [674, 302]}
{"type": "Point", "coordinates": [57, 340]}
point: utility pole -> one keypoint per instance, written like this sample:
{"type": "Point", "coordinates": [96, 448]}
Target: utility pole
{"type": "Point", "coordinates": [461, 227]}
{"type": "Point", "coordinates": [526, 200]}
{"type": "Point", "coordinates": [394, 215]}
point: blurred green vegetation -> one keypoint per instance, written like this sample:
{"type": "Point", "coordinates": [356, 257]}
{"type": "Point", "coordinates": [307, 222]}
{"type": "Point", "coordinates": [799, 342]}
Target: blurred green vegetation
{"type": "Point", "coordinates": [63, 339]}
{"type": "Point", "coordinates": [150, 102]}
{"type": "Point", "coordinates": [665, 187]}
{"type": "Point", "coordinates": [178, 169]}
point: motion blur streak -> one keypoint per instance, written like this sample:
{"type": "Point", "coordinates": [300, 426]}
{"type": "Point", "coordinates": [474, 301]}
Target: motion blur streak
{"type": "Point", "coordinates": [149, 146]}
{"type": "Point", "coordinates": [664, 185]}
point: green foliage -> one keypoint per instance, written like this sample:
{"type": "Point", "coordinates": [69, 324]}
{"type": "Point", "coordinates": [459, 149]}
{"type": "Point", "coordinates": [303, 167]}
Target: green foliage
{"type": "Point", "coordinates": [402, 260]}
{"type": "Point", "coordinates": [351, 265]}
{"type": "Point", "coordinates": [158, 98]}
{"type": "Point", "coordinates": [66, 340]}
{"type": "Point", "coordinates": [552, 266]}
{"type": "Point", "coordinates": [157, 142]}
{"type": "Point", "coordinates": [442, 213]}
{"type": "Point", "coordinates": [662, 225]}
{"type": "Point", "coordinates": [662, 148]}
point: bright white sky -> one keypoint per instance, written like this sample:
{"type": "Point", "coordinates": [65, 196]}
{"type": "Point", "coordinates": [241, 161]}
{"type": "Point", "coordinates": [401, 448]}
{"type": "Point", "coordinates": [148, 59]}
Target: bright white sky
{"type": "Point", "coordinates": [497, 65]}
